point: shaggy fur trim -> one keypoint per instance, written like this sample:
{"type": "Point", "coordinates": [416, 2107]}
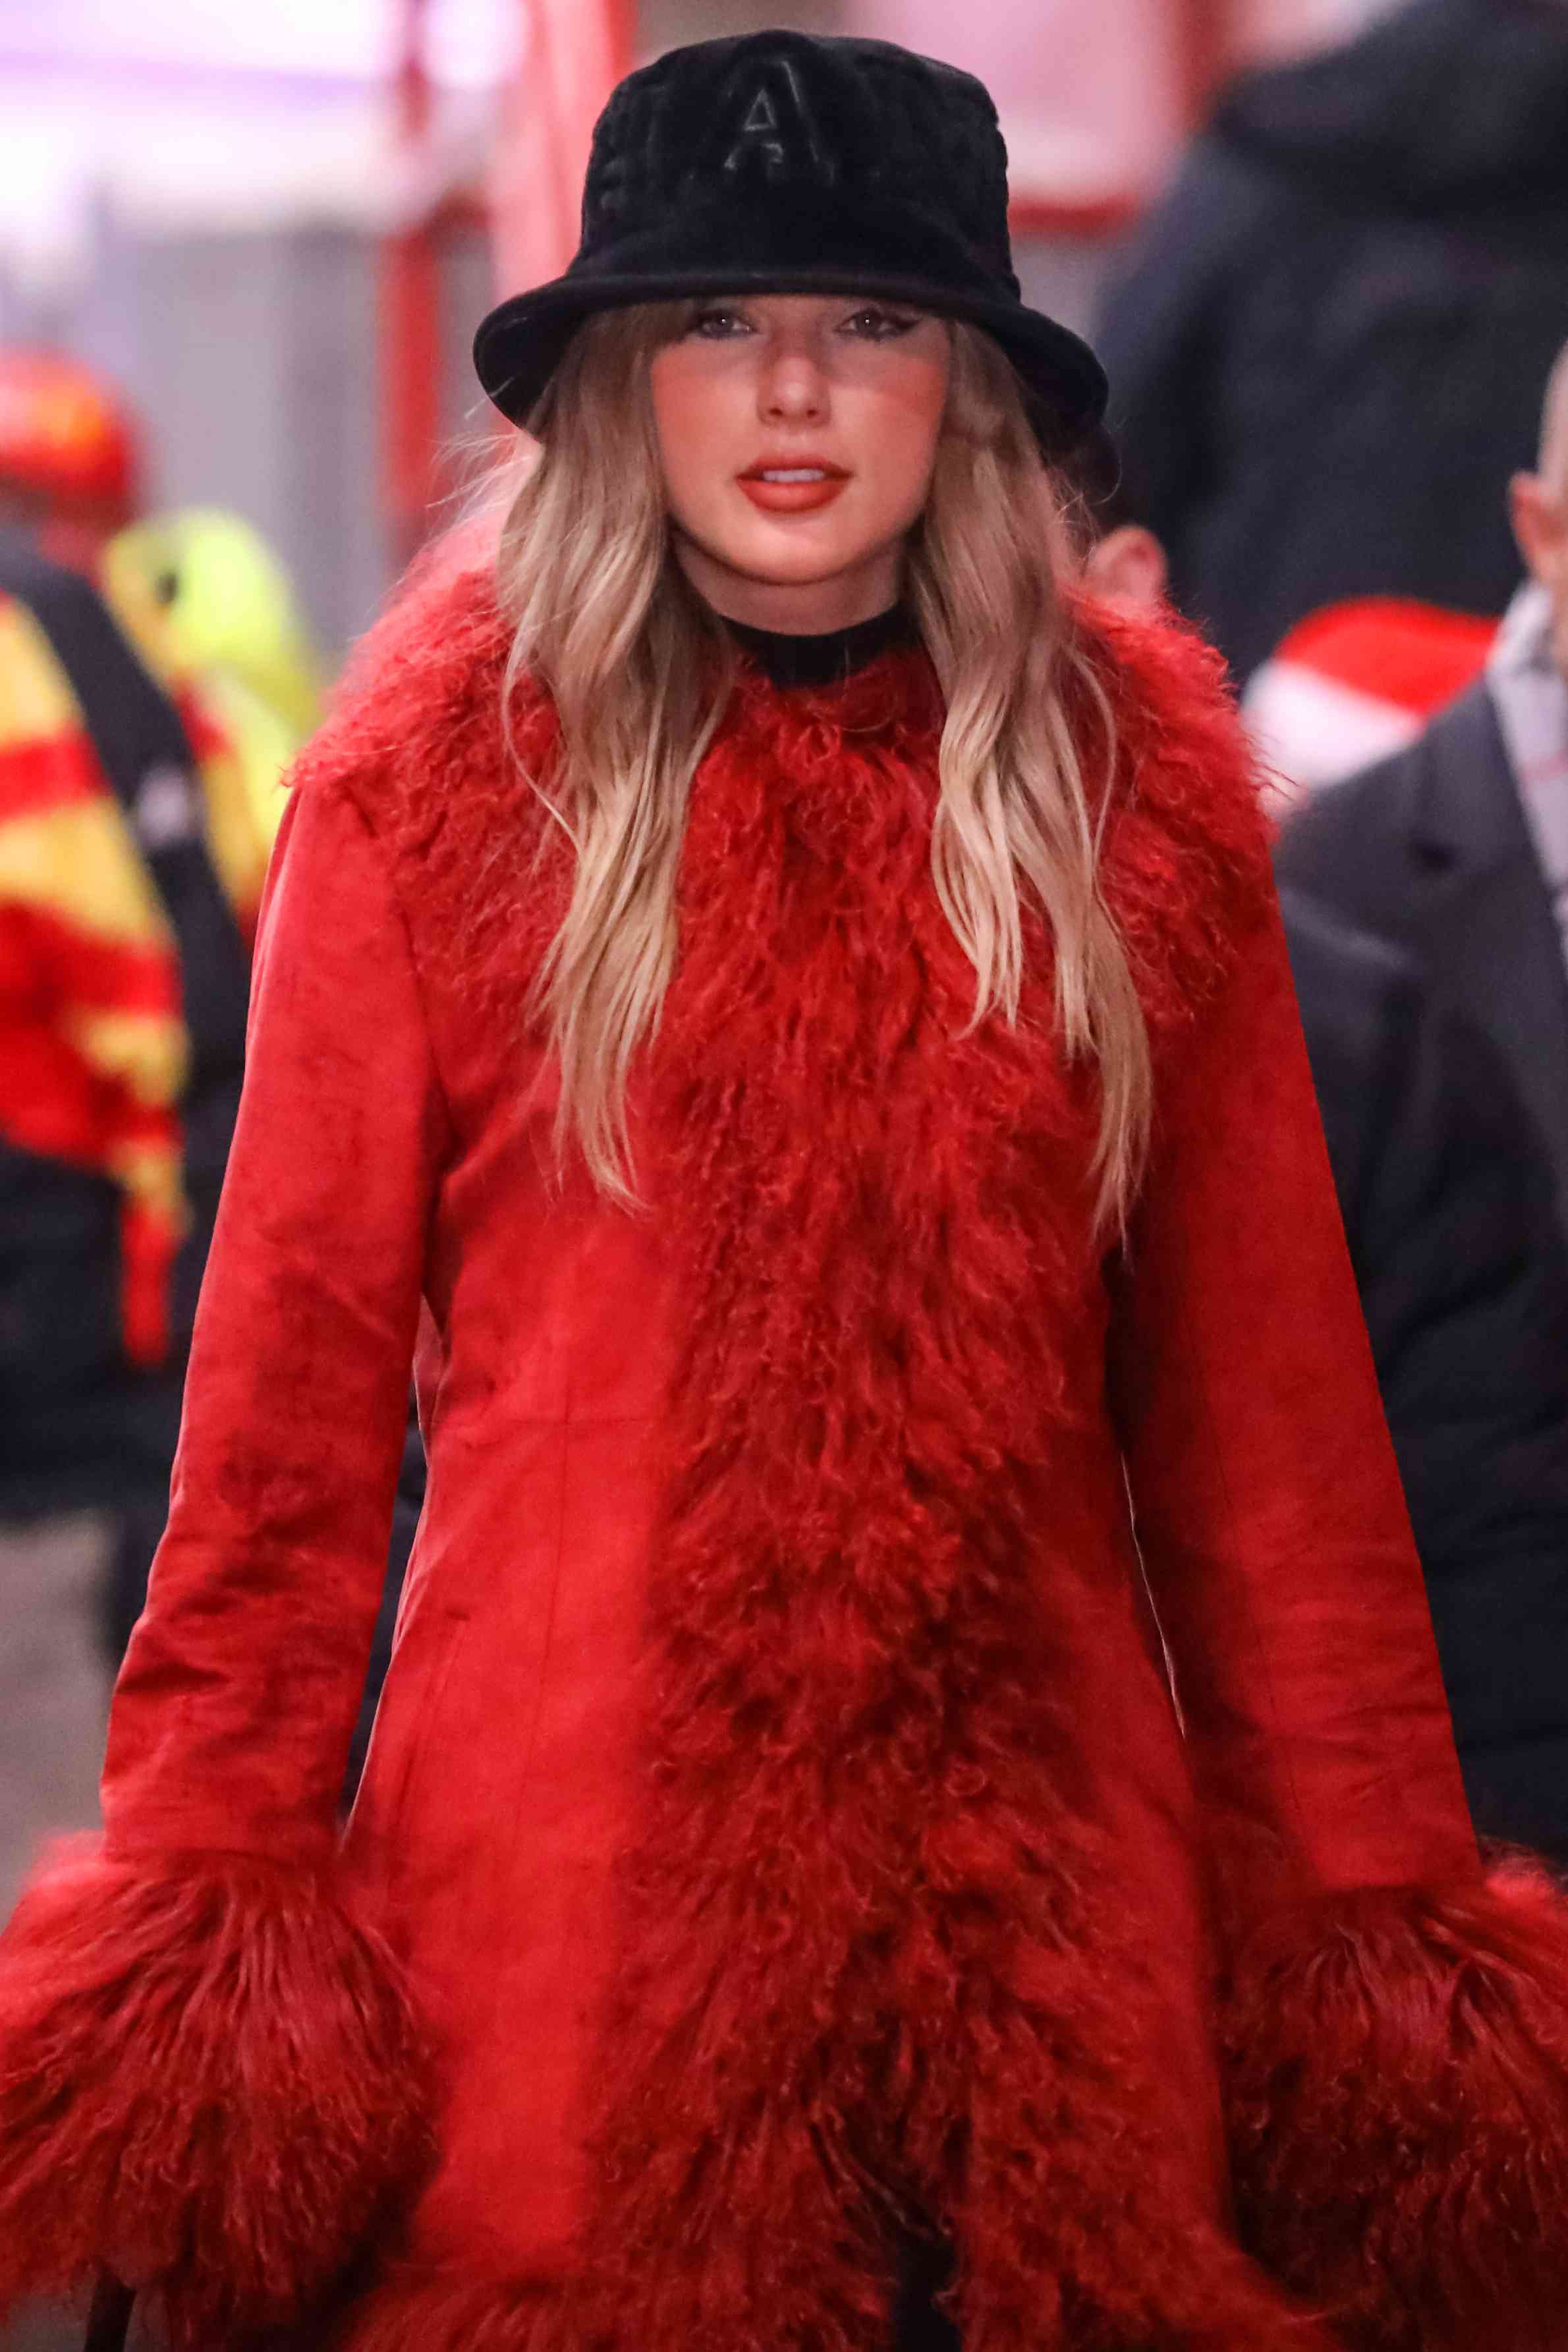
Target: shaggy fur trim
{"type": "Point", "coordinates": [1398, 2093]}
{"type": "Point", "coordinates": [209, 2081]}
{"type": "Point", "coordinates": [416, 738]}
{"type": "Point", "coordinates": [435, 655]}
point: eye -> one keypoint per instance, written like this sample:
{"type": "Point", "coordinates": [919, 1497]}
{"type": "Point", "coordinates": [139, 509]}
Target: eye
{"type": "Point", "coordinates": [874, 323]}
{"type": "Point", "coordinates": [714, 323]}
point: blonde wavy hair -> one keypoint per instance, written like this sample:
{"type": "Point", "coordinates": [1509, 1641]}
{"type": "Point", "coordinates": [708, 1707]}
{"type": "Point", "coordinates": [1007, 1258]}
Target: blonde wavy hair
{"type": "Point", "coordinates": [640, 669]}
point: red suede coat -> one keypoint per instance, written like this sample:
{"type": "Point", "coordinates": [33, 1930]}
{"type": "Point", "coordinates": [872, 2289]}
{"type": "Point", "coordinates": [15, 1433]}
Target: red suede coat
{"type": "Point", "coordinates": [778, 1828]}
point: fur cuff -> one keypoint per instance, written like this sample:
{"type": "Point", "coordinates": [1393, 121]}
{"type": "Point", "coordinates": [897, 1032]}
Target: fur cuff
{"type": "Point", "coordinates": [210, 2081]}
{"type": "Point", "coordinates": [1397, 2087]}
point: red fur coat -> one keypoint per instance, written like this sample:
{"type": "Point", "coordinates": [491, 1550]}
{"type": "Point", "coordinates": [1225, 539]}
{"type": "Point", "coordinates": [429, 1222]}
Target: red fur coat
{"type": "Point", "coordinates": [779, 1826]}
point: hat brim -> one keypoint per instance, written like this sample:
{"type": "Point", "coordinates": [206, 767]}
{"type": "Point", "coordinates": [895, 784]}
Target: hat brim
{"type": "Point", "coordinates": [520, 345]}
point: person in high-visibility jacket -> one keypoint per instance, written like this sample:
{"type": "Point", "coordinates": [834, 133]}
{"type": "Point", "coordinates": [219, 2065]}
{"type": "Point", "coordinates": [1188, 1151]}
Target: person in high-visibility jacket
{"type": "Point", "coordinates": [138, 802]}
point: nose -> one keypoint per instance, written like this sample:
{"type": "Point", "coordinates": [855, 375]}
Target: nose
{"type": "Point", "coordinates": [792, 385]}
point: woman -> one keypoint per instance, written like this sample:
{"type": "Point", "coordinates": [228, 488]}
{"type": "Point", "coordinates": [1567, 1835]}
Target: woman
{"type": "Point", "coordinates": [802, 1005]}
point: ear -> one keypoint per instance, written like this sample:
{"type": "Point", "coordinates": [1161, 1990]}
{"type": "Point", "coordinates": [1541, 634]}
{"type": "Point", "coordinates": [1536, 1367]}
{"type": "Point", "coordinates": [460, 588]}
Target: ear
{"type": "Point", "coordinates": [1129, 566]}
{"type": "Point", "coordinates": [1540, 522]}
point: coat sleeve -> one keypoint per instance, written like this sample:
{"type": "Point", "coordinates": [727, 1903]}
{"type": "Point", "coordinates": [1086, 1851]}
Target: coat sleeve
{"type": "Point", "coordinates": [1393, 2017]}
{"type": "Point", "coordinates": [210, 2078]}
{"type": "Point", "coordinates": [1269, 1508]}
{"type": "Point", "coordinates": [237, 1698]}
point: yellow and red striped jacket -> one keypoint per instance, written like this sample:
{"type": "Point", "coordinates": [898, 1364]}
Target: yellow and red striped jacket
{"type": "Point", "coordinates": [94, 1054]}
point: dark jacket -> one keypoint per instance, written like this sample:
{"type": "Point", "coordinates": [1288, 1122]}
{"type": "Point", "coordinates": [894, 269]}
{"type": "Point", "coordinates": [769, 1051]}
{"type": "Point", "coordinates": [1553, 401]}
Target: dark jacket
{"type": "Point", "coordinates": [1464, 1286]}
{"type": "Point", "coordinates": [1430, 850]}
{"type": "Point", "coordinates": [1329, 350]}
{"type": "Point", "coordinates": [79, 1427]}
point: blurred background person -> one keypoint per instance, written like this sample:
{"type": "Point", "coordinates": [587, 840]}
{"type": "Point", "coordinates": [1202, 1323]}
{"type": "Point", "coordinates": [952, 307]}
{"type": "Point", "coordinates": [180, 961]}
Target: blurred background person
{"type": "Point", "coordinates": [1447, 1201]}
{"type": "Point", "coordinates": [1464, 1286]}
{"type": "Point", "coordinates": [1458, 850]}
{"type": "Point", "coordinates": [91, 1052]}
{"type": "Point", "coordinates": [212, 611]}
{"type": "Point", "coordinates": [131, 854]}
{"type": "Point", "coordinates": [1321, 354]}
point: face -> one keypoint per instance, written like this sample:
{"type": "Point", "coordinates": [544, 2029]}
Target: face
{"type": "Point", "coordinates": [1540, 507]}
{"type": "Point", "coordinates": [797, 435]}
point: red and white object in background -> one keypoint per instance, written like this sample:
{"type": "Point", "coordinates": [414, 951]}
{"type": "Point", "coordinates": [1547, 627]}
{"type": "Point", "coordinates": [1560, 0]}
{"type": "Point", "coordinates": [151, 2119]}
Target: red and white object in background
{"type": "Point", "coordinates": [573, 54]}
{"type": "Point", "coordinates": [1357, 682]}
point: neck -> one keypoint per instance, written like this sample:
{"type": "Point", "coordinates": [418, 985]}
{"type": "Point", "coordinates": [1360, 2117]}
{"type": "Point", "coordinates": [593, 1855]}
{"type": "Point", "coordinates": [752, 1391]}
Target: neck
{"type": "Point", "coordinates": [828, 658]}
{"type": "Point", "coordinates": [804, 608]}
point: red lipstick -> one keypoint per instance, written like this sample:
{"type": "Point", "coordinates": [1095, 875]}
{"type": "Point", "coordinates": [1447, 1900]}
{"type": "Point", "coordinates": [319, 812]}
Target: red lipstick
{"type": "Point", "coordinates": [782, 486]}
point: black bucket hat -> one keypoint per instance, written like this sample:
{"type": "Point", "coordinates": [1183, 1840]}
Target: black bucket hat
{"type": "Point", "coordinates": [787, 162]}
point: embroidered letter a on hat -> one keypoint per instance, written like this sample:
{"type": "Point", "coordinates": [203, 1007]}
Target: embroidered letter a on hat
{"type": "Point", "coordinates": [773, 134]}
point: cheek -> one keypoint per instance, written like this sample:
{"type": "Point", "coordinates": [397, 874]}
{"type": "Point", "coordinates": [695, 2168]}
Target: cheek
{"type": "Point", "coordinates": [693, 417]}
{"type": "Point", "coordinates": [900, 432]}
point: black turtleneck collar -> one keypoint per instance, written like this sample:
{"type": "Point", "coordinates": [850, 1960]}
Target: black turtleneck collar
{"type": "Point", "coordinates": [826, 660]}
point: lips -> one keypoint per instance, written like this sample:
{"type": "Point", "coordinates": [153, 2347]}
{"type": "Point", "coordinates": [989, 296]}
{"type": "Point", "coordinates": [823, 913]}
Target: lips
{"type": "Point", "coordinates": [799, 488]}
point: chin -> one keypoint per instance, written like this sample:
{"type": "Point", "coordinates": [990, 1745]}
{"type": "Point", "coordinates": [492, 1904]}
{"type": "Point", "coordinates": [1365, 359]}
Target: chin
{"type": "Point", "coordinates": [798, 575]}
{"type": "Point", "coordinates": [782, 562]}
{"type": "Point", "coordinates": [785, 556]}
{"type": "Point", "coordinates": [785, 559]}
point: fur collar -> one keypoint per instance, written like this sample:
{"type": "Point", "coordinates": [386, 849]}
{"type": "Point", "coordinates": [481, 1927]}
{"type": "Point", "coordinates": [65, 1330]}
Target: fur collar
{"type": "Point", "coordinates": [416, 737]}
